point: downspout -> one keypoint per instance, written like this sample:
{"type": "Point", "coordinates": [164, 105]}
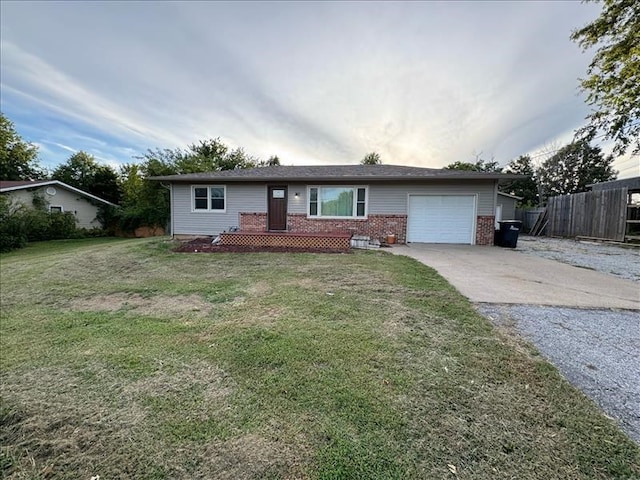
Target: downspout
{"type": "Point", "coordinates": [495, 199]}
{"type": "Point", "coordinates": [170, 188]}
{"type": "Point", "coordinates": [495, 202]}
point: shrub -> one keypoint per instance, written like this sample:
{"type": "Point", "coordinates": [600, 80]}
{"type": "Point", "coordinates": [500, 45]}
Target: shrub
{"type": "Point", "coordinates": [13, 232]}
{"type": "Point", "coordinates": [61, 225]}
{"type": "Point", "coordinates": [109, 218]}
{"type": "Point", "coordinates": [36, 223]}
{"type": "Point", "coordinates": [20, 224]}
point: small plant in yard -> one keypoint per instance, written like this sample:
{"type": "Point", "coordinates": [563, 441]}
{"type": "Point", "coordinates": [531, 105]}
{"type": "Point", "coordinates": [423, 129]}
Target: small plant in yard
{"type": "Point", "coordinates": [123, 359]}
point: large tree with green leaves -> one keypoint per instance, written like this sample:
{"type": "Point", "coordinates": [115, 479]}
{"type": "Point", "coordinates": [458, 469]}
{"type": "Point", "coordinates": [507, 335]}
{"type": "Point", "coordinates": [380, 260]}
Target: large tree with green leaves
{"type": "Point", "coordinates": [272, 161]}
{"type": "Point", "coordinates": [372, 158]}
{"type": "Point", "coordinates": [82, 171]}
{"type": "Point", "coordinates": [574, 167]}
{"type": "Point", "coordinates": [18, 159]}
{"type": "Point", "coordinates": [526, 188]}
{"type": "Point", "coordinates": [479, 165]}
{"type": "Point", "coordinates": [147, 202]}
{"type": "Point", "coordinates": [613, 81]}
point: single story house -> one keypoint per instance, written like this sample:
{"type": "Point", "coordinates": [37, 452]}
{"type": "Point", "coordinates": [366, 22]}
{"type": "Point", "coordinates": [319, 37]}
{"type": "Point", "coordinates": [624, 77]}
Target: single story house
{"type": "Point", "coordinates": [59, 197]}
{"type": "Point", "coordinates": [416, 204]}
{"type": "Point", "coordinates": [506, 207]}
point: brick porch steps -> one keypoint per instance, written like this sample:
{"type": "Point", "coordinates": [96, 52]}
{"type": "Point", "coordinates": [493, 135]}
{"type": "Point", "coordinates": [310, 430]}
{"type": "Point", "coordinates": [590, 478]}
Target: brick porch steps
{"type": "Point", "coordinates": [339, 241]}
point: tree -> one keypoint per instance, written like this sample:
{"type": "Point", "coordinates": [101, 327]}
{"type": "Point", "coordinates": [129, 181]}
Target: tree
{"type": "Point", "coordinates": [147, 202]}
{"type": "Point", "coordinates": [573, 167]}
{"type": "Point", "coordinates": [479, 165]}
{"type": "Point", "coordinates": [106, 184]}
{"type": "Point", "coordinates": [82, 171]}
{"type": "Point", "coordinates": [526, 188]}
{"type": "Point", "coordinates": [18, 159]}
{"type": "Point", "coordinates": [205, 156]}
{"type": "Point", "coordinates": [613, 82]}
{"type": "Point", "coordinates": [273, 161]}
{"type": "Point", "coordinates": [372, 158]}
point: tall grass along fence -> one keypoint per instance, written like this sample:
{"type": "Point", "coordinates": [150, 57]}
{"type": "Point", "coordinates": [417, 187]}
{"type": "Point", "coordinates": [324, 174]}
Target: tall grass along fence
{"type": "Point", "coordinates": [600, 214]}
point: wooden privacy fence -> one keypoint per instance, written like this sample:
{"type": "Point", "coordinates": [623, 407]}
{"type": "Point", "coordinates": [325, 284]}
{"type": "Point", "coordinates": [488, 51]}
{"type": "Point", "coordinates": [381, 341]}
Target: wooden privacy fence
{"type": "Point", "coordinates": [599, 214]}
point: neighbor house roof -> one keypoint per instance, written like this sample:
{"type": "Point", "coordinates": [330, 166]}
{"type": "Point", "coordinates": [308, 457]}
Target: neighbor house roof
{"type": "Point", "coordinates": [632, 183]}
{"type": "Point", "coordinates": [12, 185]}
{"type": "Point", "coordinates": [335, 173]}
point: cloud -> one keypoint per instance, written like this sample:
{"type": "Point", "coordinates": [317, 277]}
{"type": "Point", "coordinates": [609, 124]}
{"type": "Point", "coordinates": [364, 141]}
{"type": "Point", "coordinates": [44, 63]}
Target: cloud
{"type": "Point", "coordinates": [40, 83]}
{"type": "Point", "coordinates": [421, 83]}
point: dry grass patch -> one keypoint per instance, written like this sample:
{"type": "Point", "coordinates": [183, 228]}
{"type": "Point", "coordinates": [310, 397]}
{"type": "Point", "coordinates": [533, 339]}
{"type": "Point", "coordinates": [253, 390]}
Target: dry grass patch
{"type": "Point", "coordinates": [252, 456]}
{"type": "Point", "coordinates": [93, 421]}
{"type": "Point", "coordinates": [134, 304]}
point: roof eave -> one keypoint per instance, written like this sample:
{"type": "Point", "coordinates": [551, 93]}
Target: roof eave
{"type": "Point", "coordinates": [63, 185]}
{"type": "Point", "coordinates": [225, 179]}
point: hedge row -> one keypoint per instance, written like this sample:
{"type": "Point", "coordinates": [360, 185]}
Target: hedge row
{"type": "Point", "coordinates": [20, 224]}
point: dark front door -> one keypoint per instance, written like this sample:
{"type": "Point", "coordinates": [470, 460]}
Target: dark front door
{"type": "Point", "coordinates": [277, 215]}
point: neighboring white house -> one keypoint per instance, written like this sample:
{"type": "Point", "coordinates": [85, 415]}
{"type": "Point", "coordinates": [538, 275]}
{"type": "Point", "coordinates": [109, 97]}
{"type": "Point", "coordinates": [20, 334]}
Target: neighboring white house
{"type": "Point", "coordinates": [59, 197]}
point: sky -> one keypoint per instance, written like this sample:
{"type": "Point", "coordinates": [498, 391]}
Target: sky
{"type": "Point", "coordinates": [421, 83]}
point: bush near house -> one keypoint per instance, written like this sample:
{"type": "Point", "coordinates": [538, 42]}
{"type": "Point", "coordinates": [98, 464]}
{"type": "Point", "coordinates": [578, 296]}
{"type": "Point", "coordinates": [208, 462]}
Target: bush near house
{"type": "Point", "coordinates": [20, 224]}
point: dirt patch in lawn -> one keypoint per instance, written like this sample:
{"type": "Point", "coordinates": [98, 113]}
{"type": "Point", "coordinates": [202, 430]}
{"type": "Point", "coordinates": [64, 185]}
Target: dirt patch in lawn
{"type": "Point", "coordinates": [204, 245]}
{"type": "Point", "coordinates": [159, 305]}
{"type": "Point", "coordinates": [252, 456]}
{"type": "Point", "coordinates": [213, 381]}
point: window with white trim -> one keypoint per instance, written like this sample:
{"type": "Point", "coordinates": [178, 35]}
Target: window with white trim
{"type": "Point", "coordinates": [208, 198]}
{"type": "Point", "coordinates": [337, 202]}
{"type": "Point", "coordinates": [56, 209]}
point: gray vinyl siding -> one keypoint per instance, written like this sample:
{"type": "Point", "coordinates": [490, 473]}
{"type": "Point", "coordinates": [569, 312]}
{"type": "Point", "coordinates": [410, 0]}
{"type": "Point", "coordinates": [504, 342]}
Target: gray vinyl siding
{"type": "Point", "coordinates": [297, 205]}
{"type": "Point", "coordinates": [508, 207]}
{"type": "Point", "coordinates": [239, 198]}
{"type": "Point", "coordinates": [252, 197]}
{"type": "Point", "coordinates": [393, 199]}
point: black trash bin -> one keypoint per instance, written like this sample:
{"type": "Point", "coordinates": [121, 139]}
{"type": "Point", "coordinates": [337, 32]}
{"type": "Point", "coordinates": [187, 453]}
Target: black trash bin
{"type": "Point", "coordinates": [508, 234]}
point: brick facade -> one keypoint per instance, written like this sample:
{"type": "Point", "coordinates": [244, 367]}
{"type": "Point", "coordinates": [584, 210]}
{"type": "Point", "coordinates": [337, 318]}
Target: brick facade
{"type": "Point", "coordinates": [485, 230]}
{"type": "Point", "coordinates": [253, 222]}
{"type": "Point", "coordinates": [375, 226]}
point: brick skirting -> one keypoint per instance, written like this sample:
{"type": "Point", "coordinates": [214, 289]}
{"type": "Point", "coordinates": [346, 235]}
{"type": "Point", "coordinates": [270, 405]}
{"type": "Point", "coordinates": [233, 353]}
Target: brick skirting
{"type": "Point", "coordinates": [253, 222]}
{"type": "Point", "coordinates": [485, 230]}
{"type": "Point", "coordinates": [375, 226]}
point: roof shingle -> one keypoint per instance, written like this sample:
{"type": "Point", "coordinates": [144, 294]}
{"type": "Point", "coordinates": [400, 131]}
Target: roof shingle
{"type": "Point", "coordinates": [334, 173]}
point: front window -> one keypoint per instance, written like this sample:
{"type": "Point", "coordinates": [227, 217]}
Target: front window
{"type": "Point", "coordinates": [209, 198]}
{"type": "Point", "coordinates": [338, 202]}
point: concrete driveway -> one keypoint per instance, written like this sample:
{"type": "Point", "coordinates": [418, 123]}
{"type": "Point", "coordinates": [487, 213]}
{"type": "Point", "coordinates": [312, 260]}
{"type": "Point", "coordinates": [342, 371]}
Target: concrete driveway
{"type": "Point", "coordinates": [583, 321]}
{"type": "Point", "coordinates": [501, 275]}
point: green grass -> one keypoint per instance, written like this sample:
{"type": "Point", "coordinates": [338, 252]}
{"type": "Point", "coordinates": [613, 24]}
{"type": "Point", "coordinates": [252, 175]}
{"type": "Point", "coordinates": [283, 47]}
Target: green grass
{"type": "Point", "coordinates": [122, 359]}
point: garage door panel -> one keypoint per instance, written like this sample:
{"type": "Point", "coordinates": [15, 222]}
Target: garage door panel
{"type": "Point", "coordinates": [441, 218]}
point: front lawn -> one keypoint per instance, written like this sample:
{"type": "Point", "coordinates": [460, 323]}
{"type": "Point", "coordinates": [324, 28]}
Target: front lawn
{"type": "Point", "coordinates": [122, 359]}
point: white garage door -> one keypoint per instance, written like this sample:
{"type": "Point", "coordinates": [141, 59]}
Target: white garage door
{"type": "Point", "coordinates": [441, 218]}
